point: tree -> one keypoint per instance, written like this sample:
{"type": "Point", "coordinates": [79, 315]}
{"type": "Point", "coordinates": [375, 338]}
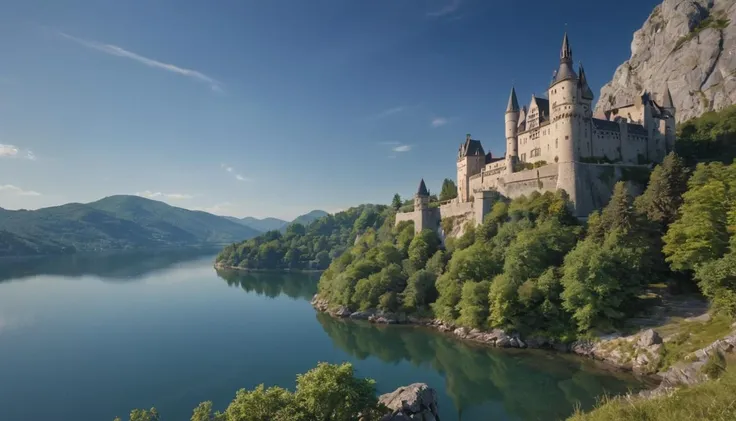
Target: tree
{"type": "Point", "coordinates": [203, 412]}
{"type": "Point", "coordinates": [420, 290]}
{"type": "Point", "coordinates": [332, 392]}
{"type": "Point", "coordinates": [396, 202]}
{"type": "Point", "coordinates": [449, 190]}
{"type": "Point", "coordinates": [662, 199]}
{"type": "Point", "coordinates": [422, 247]}
{"type": "Point", "coordinates": [259, 404]}
{"type": "Point", "coordinates": [700, 234]}
{"type": "Point", "coordinates": [474, 304]}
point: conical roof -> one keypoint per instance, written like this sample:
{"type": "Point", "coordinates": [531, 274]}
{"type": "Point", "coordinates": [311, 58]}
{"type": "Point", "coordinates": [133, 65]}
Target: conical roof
{"type": "Point", "coordinates": [565, 71]}
{"type": "Point", "coordinates": [513, 102]}
{"type": "Point", "coordinates": [422, 191]}
{"type": "Point", "coordinates": [668, 99]}
{"type": "Point", "coordinates": [585, 90]}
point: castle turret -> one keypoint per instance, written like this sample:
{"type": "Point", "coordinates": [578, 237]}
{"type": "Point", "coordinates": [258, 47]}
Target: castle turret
{"type": "Point", "coordinates": [564, 106]}
{"type": "Point", "coordinates": [470, 161]}
{"type": "Point", "coordinates": [512, 131]}
{"type": "Point", "coordinates": [585, 93]}
{"type": "Point", "coordinates": [670, 112]}
{"type": "Point", "coordinates": [422, 213]}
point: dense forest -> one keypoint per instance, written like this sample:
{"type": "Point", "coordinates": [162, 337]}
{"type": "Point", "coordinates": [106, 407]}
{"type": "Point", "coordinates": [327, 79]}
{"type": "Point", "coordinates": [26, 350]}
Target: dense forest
{"type": "Point", "coordinates": [327, 392]}
{"type": "Point", "coordinates": [306, 247]}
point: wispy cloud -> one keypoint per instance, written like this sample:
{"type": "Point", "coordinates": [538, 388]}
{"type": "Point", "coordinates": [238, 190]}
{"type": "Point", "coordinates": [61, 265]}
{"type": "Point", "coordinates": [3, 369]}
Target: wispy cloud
{"type": "Point", "coordinates": [388, 112]}
{"type": "Point", "coordinates": [114, 50]}
{"type": "Point", "coordinates": [402, 148]}
{"type": "Point", "coordinates": [438, 122]}
{"type": "Point", "coordinates": [12, 151]}
{"type": "Point", "coordinates": [158, 195]}
{"type": "Point", "coordinates": [447, 10]}
{"type": "Point", "coordinates": [232, 171]}
{"type": "Point", "coordinates": [9, 188]}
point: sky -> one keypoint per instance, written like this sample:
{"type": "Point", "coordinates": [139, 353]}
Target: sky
{"type": "Point", "coordinates": [274, 107]}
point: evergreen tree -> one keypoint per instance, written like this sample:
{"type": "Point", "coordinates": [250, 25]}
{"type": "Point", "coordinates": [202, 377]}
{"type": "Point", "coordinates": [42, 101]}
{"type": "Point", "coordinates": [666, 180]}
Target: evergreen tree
{"type": "Point", "coordinates": [662, 199]}
{"type": "Point", "coordinates": [396, 202]}
{"type": "Point", "coordinates": [449, 190]}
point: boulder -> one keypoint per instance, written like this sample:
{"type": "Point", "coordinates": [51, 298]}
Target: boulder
{"type": "Point", "coordinates": [648, 338]}
{"type": "Point", "coordinates": [342, 311]}
{"type": "Point", "coordinates": [361, 315]}
{"type": "Point", "coordinates": [414, 402]}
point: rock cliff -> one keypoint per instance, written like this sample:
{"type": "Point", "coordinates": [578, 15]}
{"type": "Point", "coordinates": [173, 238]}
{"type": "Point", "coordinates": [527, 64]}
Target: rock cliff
{"type": "Point", "coordinates": [687, 45]}
{"type": "Point", "coordinates": [414, 402]}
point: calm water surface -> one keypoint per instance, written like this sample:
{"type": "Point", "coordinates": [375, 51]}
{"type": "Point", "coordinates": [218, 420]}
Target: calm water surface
{"type": "Point", "coordinates": [89, 338]}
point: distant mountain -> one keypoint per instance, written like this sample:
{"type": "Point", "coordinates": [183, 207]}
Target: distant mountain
{"type": "Point", "coordinates": [113, 223]}
{"type": "Point", "coordinates": [307, 218]}
{"type": "Point", "coordinates": [263, 225]}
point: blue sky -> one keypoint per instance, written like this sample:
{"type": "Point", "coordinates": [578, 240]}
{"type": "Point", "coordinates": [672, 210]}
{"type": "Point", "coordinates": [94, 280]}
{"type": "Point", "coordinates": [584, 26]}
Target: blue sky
{"type": "Point", "coordinates": [273, 107]}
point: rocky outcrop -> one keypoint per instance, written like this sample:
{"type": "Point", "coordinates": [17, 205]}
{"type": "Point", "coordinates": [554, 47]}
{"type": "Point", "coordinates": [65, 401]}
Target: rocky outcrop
{"type": "Point", "coordinates": [690, 371]}
{"type": "Point", "coordinates": [687, 45]}
{"type": "Point", "coordinates": [414, 402]}
{"type": "Point", "coordinates": [640, 353]}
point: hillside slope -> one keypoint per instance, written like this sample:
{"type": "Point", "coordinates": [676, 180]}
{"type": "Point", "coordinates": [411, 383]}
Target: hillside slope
{"type": "Point", "coordinates": [265, 224]}
{"type": "Point", "coordinates": [113, 223]}
{"type": "Point", "coordinates": [688, 45]}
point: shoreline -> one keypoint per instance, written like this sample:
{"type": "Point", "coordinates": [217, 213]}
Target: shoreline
{"type": "Point", "coordinates": [239, 269]}
{"type": "Point", "coordinates": [639, 353]}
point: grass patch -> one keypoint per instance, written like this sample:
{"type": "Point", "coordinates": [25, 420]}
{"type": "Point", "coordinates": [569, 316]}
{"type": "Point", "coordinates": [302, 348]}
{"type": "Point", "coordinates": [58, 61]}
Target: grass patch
{"type": "Point", "coordinates": [691, 336]}
{"type": "Point", "coordinates": [712, 400]}
{"type": "Point", "coordinates": [719, 22]}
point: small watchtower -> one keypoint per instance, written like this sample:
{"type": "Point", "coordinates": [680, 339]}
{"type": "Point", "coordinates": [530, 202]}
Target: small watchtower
{"type": "Point", "coordinates": [421, 199]}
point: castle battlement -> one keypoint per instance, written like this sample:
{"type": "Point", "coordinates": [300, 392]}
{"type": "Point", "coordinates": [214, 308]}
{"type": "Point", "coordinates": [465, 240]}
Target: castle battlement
{"type": "Point", "coordinates": [556, 143]}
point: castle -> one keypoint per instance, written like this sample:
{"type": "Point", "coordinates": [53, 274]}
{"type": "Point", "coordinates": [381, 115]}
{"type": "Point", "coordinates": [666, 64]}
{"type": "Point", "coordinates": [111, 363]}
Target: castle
{"type": "Point", "coordinates": [557, 143]}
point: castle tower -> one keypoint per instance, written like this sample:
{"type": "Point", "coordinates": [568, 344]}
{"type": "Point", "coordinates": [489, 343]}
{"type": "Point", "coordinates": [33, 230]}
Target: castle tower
{"type": "Point", "coordinates": [422, 219]}
{"type": "Point", "coordinates": [470, 161]}
{"type": "Point", "coordinates": [586, 94]}
{"type": "Point", "coordinates": [512, 131]}
{"type": "Point", "coordinates": [565, 124]}
{"type": "Point", "coordinates": [563, 99]}
{"type": "Point", "coordinates": [670, 111]}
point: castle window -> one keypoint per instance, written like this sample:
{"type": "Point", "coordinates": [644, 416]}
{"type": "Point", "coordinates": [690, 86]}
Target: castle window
{"type": "Point", "coordinates": [567, 137]}
{"type": "Point", "coordinates": [556, 143]}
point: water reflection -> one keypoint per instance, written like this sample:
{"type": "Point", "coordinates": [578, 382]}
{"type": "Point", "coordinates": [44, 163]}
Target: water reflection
{"type": "Point", "coordinates": [297, 285]}
{"type": "Point", "coordinates": [117, 266]}
{"type": "Point", "coordinates": [530, 385]}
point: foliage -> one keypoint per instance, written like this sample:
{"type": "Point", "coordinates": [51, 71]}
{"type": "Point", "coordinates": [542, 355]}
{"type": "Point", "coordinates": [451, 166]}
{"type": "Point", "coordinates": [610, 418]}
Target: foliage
{"type": "Point", "coordinates": [328, 392]}
{"type": "Point", "coordinates": [396, 202]}
{"type": "Point", "coordinates": [710, 137]}
{"type": "Point", "coordinates": [662, 199]}
{"type": "Point", "coordinates": [113, 223]}
{"type": "Point", "coordinates": [448, 191]}
{"type": "Point", "coordinates": [701, 233]}
{"type": "Point", "coordinates": [310, 247]}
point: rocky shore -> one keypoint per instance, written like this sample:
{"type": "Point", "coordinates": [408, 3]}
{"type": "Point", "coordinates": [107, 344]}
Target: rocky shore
{"type": "Point", "coordinates": [414, 402]}
{"type": "Point", "coordinates": [640, 353]}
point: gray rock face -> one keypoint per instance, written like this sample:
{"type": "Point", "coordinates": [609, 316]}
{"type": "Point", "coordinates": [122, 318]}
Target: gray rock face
{"type": "Point", "coordinates": [688, 45]}
{"type": "Point", "coordinates": [414, 402]}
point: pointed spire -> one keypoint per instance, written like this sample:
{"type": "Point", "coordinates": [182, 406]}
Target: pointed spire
{"type": "Point", "coordinates": [566, 52]}
{"type": "Point", "coordinates": [513, 102]}
{"type": "Point", "coordinates": [585, 90]}
{"type": "Point", "coordinates": [422, 191]}
{"type": "Point", "coordinates": [668, 98]}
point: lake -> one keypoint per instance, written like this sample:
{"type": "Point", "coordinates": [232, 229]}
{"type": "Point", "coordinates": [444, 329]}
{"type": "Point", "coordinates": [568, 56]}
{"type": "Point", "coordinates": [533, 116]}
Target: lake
{"type": "Point", "coordinates": [92, 337]}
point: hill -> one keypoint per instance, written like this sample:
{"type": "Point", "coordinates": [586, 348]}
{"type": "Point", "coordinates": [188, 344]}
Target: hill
{"type": "Point", "coordinates": [307, 218]}
{"type": "Point", "coordinates": [262, 225]}
{"type": "Point", "coordinates": [307, 247]}
{"type": "Point", "coordinates": [686, 47]}
{"type": "Point", "coordinates": [113, 223]}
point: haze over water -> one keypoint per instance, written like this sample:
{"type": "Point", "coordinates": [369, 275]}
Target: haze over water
{"type": "Point", "coordinates": [92, 337]}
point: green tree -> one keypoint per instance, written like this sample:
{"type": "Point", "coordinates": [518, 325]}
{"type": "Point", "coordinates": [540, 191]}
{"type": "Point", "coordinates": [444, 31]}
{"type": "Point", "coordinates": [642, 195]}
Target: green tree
{"type": "Point", "coordinates": [422, 247]}
{"type": "Point", "coordinates": [717, 280]}
{"type": "Point", "coordinates": [662, 198]}
{"type": "Point", "coordinates": [333, 393]}
{"type": "Point", "coordinates": [203, 412]}
{"type": "Point", "coordinates": [396, 202]}
{"type": "Point", "coordinates": [449, 190]}
{"type": "Point", "coordinates": [474, 304]}
{"type": "Point", "coordinates": [420, 290]}
{"type": "Point", "coordinates": [259, 404]}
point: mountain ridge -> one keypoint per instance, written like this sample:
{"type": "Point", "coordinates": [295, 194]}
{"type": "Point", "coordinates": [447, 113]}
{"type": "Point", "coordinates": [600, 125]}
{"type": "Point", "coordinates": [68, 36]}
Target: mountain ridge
{"type": "Point", "coordinates": [119, 222]}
